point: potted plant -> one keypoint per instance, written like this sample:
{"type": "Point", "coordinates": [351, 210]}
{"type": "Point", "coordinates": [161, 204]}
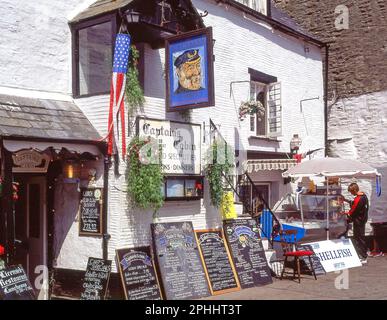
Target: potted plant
{"type": "Point", "coordinates": [250, 108]}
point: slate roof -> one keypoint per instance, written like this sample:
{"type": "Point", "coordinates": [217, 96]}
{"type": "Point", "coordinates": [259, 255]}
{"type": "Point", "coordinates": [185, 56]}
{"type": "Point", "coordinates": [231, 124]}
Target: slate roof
{"type": "Point", "coordinates": [100, 7]}
{"type": "Point", "coordinates": [49, 119]}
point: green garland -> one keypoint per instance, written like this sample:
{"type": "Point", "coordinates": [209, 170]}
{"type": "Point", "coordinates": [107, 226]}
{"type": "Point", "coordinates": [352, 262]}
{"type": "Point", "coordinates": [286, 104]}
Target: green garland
{"type": "Point", "coordinates": [144, 180]}
{"type": "Point", "coordinates": [219, 160]}
{"type": "Point", "coordinates": [133, 91]}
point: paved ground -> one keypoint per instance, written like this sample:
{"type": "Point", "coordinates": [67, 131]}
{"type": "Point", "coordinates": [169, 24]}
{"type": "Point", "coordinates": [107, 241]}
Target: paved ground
{"type": "Point", "coordinates": [367, 282]}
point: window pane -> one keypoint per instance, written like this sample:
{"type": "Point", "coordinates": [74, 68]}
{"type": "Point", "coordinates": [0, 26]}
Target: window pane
{"type": "Point", "coordinates": [257, 93]}
{"type": "Point", "coordinates": [175, 188]}
{"type": "Point", "coordinates": [95, 58]}
{"type": "Point", "coordinates": [190, 190]}
{"type": "Point", "coordinates": [252, 123]}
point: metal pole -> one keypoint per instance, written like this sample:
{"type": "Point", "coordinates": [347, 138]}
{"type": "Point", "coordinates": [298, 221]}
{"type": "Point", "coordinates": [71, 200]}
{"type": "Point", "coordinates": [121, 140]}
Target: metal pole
{"type": "Point", "coordinates": [327, 199]}
{"type": "Point", "coordinates": [106, 235]}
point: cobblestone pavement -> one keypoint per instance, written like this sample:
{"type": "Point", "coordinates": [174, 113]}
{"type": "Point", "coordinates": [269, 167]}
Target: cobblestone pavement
{"type": "Point", "coordinates": [366, 282]}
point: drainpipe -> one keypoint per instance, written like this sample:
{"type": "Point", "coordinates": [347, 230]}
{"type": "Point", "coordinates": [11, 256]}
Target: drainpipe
{"type": "Point", "coordinates": [326, 98]}
{"type": "Point", "coordinates": [106, 235]}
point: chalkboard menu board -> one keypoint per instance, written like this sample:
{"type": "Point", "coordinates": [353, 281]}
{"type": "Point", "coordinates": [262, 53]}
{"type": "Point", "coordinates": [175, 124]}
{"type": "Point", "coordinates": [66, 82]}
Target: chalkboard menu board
{"type": "Point", "coordinates": [138, 275]}
{"type": "Point", "coordinates": [318, 267]}
{"type": "Point", "coordinates": [96, 279]}
{"type": "Point", "coordinates": [14, 284]}
{"type": "Point", "coordinates": [216, 258]}
{"type": "Point", "coordinates": [179, 262]}
{"type": "Point", "coordinates": [247, 252]}
{"type": "Point", "coordinates": [90, 218]}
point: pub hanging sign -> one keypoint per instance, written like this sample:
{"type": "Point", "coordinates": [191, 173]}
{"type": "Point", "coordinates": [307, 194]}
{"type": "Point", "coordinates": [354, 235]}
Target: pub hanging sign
{"type": "Point", "coordinates": [30, 161]}
{"type": "Point", "coordinates": [180, 144]}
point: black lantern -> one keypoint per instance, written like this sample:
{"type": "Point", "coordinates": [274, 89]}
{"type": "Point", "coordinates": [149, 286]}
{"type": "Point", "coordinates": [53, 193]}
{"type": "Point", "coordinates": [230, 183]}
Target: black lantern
{"type": "Point", "coordinates": [132, 16]}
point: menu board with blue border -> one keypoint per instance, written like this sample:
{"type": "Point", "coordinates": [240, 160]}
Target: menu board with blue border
{"type": "Point", "coordinates": [247, 252]}
{"type": "Point", "coordinates": [178, 260]}
{"type": "Point", "coordinates": [220, 270]}
{"type": "Point", "coordinates": [138, 274]}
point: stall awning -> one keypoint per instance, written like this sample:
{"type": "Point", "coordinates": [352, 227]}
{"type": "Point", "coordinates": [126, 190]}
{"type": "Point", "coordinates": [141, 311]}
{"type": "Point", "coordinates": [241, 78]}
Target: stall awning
{"type": "Point", "coordinates": [270, 164]}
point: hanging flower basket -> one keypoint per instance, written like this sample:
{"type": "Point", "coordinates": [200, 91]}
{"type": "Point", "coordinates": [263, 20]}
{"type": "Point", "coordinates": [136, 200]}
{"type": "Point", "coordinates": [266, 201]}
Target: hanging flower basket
{"type": "Point", "coordinates": [251, 108]}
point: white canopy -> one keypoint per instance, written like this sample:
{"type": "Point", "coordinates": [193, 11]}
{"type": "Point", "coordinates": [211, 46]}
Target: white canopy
{"type": "Point", "coordinates": [332, 167]}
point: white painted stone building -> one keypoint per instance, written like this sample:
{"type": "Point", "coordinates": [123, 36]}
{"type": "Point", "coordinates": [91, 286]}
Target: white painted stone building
{"type": "Point", "coordinates": [250, 48]}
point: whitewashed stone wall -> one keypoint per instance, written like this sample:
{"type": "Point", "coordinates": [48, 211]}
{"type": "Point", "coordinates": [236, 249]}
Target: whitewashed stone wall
{"type": "Point", "coordinates": [358, 130]}
{"type": "Point", "coordinates": [37, 56]}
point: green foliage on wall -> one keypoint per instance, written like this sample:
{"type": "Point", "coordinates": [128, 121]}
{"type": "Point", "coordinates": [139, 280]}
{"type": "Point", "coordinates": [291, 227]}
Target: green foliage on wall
{"type": "Point", "coordinates": [133, 91]}
{"type": "Point", "coordinates": [144, 180]}
{"type": "Point", "coordinates": [220, 160]}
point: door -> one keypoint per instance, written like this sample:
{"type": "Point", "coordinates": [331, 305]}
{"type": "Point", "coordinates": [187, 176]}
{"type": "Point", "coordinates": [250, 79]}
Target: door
{"type": "Point", "coordinates": [31, 230]}
{"type": "Point", "coordinates": [264, 190]}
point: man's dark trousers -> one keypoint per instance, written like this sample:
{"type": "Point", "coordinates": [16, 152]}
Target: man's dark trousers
{"type": "Point", "coordinates": [359, 240]}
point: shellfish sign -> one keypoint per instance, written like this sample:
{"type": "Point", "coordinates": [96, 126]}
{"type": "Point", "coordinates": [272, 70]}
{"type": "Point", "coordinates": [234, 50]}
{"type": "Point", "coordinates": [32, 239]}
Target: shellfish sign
{"type": "Point", "coordinates": [335, 255]}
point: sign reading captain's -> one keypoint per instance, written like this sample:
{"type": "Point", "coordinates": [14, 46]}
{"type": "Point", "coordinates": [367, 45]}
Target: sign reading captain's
{"type": "Point", "coordinates": [179, 142]}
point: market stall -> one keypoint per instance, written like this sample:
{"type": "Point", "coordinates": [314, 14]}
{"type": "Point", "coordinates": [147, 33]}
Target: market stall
{"type": "Point", "coordinates": [317, 206]}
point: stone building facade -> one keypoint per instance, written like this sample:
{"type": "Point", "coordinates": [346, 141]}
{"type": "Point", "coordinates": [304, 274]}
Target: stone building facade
{"type": "Point", "coordinates": [356, 32]}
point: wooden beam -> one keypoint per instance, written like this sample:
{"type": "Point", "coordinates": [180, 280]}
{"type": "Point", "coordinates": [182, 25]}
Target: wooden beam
{"type": "Point", "coordinates": [7, 221]}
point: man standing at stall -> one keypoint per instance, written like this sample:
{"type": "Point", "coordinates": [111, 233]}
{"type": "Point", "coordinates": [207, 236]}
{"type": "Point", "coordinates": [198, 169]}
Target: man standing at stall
{"type": "Point", "coordinates": [358, 214]}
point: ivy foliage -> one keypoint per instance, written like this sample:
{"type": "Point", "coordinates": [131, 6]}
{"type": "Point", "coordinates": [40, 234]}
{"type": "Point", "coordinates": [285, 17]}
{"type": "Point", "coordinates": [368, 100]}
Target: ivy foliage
{"type": "Point", "coordinates": [219, 161]}
{"type": "Point", "coordinates": [144, 180]}
{"type": "Point", "coordinates": [133, 91]}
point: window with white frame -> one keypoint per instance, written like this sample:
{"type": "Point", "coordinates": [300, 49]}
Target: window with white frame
{"type": "Point", "coordinates": [268, 123]}
{"type": "Point", "coordinates": [257, 5]}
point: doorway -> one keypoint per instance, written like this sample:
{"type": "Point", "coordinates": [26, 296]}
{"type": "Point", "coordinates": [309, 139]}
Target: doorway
{"type": "Point", "coordinates": [31, 230]}
{"type": "Point", "coordinates": [264, 190]}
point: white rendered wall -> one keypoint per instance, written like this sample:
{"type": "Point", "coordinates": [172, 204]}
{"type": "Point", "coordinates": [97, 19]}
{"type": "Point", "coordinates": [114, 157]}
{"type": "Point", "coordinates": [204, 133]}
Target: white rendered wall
{"type": "Point", "coordinates": [37, 56]}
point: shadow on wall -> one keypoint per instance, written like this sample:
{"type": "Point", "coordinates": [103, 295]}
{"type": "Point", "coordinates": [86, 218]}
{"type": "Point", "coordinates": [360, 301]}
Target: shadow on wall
{"type": "Point", "coordinates": [66, 210]}
{"type": "Point", "coordinates": [236, 17]}
{"type": "Point", "coordinates": [140, 233]}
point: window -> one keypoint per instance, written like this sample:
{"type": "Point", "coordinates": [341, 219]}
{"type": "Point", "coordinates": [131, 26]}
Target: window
{"type": "Point", "coordinates": [257, 5]}
{"type": "Point", "coordinates": [93, 56]}
{"type": "Point", "coordinates": [183, 188]}
{"type": "Point", "coordinates": [270, 122]}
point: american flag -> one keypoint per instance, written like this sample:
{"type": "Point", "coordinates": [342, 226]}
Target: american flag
{"type": "Point", "coordinates": [117, 92]}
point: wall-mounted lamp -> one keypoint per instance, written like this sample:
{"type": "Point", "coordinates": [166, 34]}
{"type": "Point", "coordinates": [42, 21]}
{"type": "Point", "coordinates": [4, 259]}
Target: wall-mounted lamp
{"type": "Point", "coordinates": [71, 171]}
{"type": "Point", "coordinates": [132, 16]}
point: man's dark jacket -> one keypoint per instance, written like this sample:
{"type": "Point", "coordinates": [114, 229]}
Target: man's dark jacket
{"type": "Point", "coordinates": [359, 209]}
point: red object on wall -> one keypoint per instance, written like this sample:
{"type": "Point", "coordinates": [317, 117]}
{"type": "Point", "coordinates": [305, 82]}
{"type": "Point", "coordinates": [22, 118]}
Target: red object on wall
{"type": "Point", "coordinates": [2, 250]}
{"type": "Point", "coordinates": [298, 157]}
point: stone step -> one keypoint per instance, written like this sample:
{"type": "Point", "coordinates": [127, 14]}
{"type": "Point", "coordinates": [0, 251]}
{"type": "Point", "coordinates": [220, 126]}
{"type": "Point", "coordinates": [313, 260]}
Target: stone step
{"type": "Point", "coordinates": [265, 244]}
